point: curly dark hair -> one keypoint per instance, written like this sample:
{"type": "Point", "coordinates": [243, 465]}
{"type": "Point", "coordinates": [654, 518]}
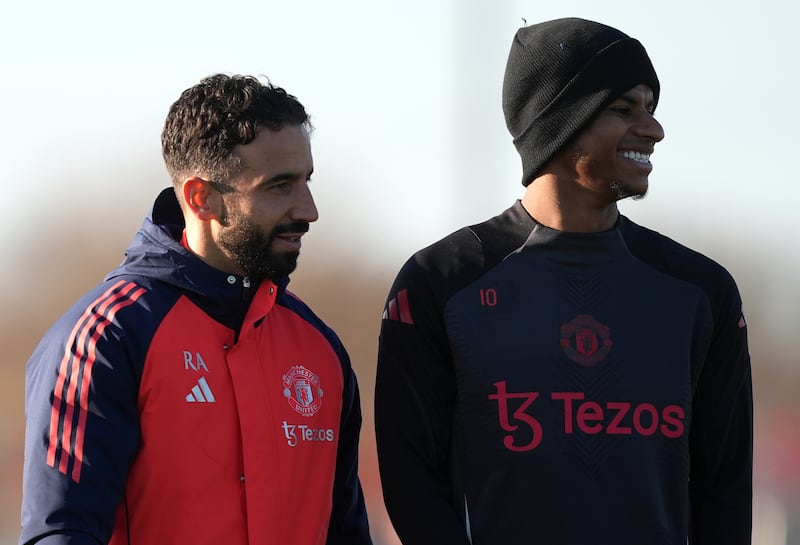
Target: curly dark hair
{"type": "Point", "coordinates": [211, 118]}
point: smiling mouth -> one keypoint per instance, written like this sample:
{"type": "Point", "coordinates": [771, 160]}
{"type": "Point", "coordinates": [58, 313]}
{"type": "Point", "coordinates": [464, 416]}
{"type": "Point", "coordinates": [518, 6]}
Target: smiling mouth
{"type": "Point", "coordinates": [639, 157]}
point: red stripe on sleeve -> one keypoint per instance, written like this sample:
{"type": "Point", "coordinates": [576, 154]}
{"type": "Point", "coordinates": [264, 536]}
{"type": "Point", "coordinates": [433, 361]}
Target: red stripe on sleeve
{"type": "Point", "coordinates": [405, 310]}
{"type": "Point", "coordinates": [58, 393]}
{"type": "Point", "coordinates": [91, 326]}
{"type": "Point", "coordinates": [87, 375]}
{"type": "Point", "coordinates": [79, 356]}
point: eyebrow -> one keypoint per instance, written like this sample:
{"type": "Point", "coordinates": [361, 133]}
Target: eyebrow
{"type": "Point", "coordinates": [626, 98]}
{"type": "Point", "coordinates": [284, 177]}
{"type": "Point", "coordinates": [632, 101]}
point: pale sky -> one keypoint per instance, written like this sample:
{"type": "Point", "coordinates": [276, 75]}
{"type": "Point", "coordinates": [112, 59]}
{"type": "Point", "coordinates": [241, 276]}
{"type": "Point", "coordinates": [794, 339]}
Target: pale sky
{"type": "Point", "coordinates": [410, 142]}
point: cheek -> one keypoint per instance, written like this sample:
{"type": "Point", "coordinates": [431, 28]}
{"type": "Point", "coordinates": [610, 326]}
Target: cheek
{"type": "Point", "coordinates": [599, 164]}
{"type": "Point", "coordinates": [265, 212]}
{"type": "Point", "coordinates": [602, 160]}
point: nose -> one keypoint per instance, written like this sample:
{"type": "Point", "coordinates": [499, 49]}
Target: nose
{"type": "Point", "coordinates": [650, 128]}
{"type": "Point", "coordinates": [304, 207]}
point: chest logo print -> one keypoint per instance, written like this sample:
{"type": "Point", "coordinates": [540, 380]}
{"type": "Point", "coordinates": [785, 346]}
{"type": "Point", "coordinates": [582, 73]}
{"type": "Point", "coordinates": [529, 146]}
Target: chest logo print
{"type": "Point", "coordinates": [302, 390]}
{"type": "Point", "coordinates": [201, 393]}
{"type": "Point", "coordinates": [585, 340]}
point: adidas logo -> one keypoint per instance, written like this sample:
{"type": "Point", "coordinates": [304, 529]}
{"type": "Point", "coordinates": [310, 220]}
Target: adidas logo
{"type": "Point", "coordinates": [201, 393]}
{"type": "Point", "coordinates": [397, 309]}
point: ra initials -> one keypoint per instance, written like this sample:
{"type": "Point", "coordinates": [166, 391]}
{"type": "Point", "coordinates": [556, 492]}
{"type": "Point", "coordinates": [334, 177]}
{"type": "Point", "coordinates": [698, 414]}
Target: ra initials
{"type": "Point", "coordinates": [193, 361]}
{"type": "Point", "coordinates": [488, 297]}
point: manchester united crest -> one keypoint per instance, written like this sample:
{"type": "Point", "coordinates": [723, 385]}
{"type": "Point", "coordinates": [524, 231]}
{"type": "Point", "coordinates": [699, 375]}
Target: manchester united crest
{"type": "Point", "coordinates": [585, 340]}
{"type": "Point", "coordinates": [302, 390]}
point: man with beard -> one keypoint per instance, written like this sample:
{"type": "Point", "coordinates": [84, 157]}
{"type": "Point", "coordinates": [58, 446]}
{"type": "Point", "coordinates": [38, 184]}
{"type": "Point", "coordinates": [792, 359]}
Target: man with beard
{"type": "Point", "coordinates": [559, 374]}
{"type": "Point", "coordinates": [190, 398]}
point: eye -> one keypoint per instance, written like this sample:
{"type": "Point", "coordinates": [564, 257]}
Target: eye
{"type": "Point", "coordinates": [621, 109]}
{"type": "Point", "coordinates": [279, 186]}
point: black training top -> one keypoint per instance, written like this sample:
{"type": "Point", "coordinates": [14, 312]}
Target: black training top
{"type": "Point", "coordinates": [538, 386]}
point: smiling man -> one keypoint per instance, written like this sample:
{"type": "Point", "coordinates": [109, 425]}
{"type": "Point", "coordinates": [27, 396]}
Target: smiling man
{"type": "Point", "coordinates": [559, 374]}
{"type": "Point", "coordinates": [190, 398]}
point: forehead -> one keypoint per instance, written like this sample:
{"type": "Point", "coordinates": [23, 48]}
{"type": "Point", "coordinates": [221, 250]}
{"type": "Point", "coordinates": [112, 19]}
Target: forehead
{"type": "Point", "coordinates": [640, 93]}
{"type": "Point", "coordinates": [285, 150]}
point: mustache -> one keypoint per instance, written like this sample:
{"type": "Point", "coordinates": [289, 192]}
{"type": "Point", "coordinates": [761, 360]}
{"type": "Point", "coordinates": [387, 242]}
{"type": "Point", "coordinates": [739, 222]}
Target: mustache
{"type": "Point", "coordinates": [291, 227]}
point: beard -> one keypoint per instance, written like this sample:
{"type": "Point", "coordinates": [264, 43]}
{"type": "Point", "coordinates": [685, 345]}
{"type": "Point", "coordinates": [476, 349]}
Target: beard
{"type": "Point", "coordinates": [623, 193]}
{"type": "Point", "coordinates": [251, 249]}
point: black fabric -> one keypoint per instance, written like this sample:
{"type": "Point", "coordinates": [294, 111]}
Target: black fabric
{"type": "Point", "coordinates": [564, 388]}
{"type": "Point", "coordinates": [560, 74]}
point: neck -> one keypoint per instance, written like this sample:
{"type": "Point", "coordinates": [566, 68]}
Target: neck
{"type": "Point", "coordinates": [566, 208]}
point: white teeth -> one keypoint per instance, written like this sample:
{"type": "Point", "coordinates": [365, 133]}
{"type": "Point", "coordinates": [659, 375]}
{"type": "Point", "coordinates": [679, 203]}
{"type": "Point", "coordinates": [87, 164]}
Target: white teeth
{"type": "Point", "coordinates": [636, 156]}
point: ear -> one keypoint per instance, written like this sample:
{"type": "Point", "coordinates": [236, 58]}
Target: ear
{"type": "Point", "coordinates": [201, 202]}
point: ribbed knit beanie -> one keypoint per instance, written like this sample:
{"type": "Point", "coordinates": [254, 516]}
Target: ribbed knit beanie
{"type": "Point", "coordinates": [559, 75]}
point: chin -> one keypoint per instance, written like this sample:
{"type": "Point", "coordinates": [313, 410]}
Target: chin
{"type": "Point", "coordinates": [635, 190]}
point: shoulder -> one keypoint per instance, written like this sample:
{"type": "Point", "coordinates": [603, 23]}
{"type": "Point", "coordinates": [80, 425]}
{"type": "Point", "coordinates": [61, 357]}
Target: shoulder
{"type": "Point", "coordinates": [681, 262]}
{"type": "Point", "coordinates": [120, 311]}
{"type": "Point", "coordinates": [119, 301]}
{"type": "Point", "coordinates": [110, 328]}
{"type": "Point", "coordinates": [463, 255]}
{"type": "Point", "coordinates": [296, 305]}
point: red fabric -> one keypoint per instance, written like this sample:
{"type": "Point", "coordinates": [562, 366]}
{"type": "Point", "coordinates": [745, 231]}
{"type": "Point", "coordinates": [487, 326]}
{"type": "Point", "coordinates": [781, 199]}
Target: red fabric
{"type": "Point", "coordinates": [227, 448]}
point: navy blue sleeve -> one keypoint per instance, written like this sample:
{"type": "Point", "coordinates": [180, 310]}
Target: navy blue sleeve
{"type": "Point", "coordinates": [721, 440]}
{"type": "Point", "coordinates": [414, 399]}
{"type": "Point", "coordinates": [348, 524]}
{"type": "Point", "coordinates": [415, 386]}
{"type": "Point", "coordinates": [81, 422]}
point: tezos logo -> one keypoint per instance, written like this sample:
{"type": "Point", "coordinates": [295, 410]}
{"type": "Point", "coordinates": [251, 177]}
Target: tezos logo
{"type": "Point", "coordinates": [302, 390]}
{"type": "Point", "coordinates": [294, 434]}
{"type": "Point", "coordinates": [585, 340]}
{"type": "Point", "coordinates": [581, 416]}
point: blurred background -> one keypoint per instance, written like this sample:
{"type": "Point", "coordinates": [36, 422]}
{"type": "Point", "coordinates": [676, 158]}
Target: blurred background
{"type": "Point", "coordinates": [410, 144]}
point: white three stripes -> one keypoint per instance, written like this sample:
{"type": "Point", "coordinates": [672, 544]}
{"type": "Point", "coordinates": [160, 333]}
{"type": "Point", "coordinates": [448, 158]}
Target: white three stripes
{"type": "Point", "coordinates": [201, 393]}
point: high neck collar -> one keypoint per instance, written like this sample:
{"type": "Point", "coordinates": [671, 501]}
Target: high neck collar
{"type": "Point", "coordinates": [568, 247]}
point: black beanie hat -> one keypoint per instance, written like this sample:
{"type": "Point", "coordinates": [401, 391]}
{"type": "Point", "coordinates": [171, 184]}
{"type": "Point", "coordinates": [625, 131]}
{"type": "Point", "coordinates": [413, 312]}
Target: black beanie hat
{"type": "Point", "coordinates": [559, 75]}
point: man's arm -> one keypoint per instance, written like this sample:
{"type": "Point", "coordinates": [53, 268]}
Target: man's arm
{"type": "Point", "coordinates": [722, 433]}
{"type": "Point", "coordinates": [81, 427]}
{"type": "Point", "coordinates": [349, 524]}
{"type": "Point", "coordinates": [414, 398]}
